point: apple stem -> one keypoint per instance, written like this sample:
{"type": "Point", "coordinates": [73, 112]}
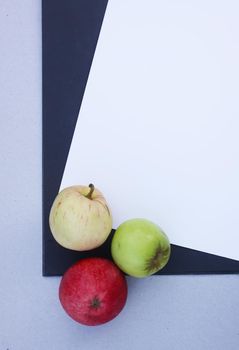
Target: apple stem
{"type": "Point", "coordinates": [92, 187]}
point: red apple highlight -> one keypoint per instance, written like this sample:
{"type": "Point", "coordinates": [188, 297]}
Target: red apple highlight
{"type": "Point", "coordinates": [93, 291]}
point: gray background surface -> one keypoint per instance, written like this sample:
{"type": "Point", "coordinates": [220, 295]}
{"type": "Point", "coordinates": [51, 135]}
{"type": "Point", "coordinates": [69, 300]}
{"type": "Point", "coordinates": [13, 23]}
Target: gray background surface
{"type": "Point", "coordinates": [168, 312]}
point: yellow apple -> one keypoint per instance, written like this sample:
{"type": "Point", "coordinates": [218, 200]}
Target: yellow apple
{"type": "Point", "coordinates": [80, 218]}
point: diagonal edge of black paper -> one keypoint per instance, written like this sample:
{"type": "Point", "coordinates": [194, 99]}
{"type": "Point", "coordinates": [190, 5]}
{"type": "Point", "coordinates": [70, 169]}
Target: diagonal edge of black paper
{"type": "Point", "coordinates": [70, 31]}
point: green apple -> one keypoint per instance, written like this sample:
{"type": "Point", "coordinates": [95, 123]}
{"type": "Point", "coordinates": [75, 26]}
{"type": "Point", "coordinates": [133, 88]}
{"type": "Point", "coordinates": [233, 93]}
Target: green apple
{"type": "Point", "coordinates": [140, 248]}
{"type": "Point", "coordinates": [80, 218]}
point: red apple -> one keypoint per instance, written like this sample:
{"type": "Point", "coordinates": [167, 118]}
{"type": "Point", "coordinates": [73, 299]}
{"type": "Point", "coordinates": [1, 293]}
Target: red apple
{"type": "Point", "coordinates": [93, 291]}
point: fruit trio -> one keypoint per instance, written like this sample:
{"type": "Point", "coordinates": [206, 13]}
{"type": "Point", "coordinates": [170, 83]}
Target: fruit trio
{"type": "Point", "coordinates": [94, 290]}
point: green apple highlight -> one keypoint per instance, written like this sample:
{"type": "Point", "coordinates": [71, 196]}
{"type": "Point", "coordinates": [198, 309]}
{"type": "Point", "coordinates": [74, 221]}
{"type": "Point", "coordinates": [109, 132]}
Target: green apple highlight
{"type": "Point", "coordinates": [140, 248]}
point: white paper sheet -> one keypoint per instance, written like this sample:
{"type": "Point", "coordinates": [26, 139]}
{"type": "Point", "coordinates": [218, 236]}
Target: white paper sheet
{"type": "Point", "coordinates": [158, 128]}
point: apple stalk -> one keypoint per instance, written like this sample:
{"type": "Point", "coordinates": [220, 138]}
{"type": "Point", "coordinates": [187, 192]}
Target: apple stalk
{"type": "Point", "coordinates": [92, 188]}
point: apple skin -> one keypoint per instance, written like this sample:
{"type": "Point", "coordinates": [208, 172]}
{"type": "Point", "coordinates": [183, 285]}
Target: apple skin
{"type": "Point", "coordinates": [93, 291]}
{"type": "Point", "coordinates": [140, 248]}
{"type": "Point", "coordinates": [79, 222]}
